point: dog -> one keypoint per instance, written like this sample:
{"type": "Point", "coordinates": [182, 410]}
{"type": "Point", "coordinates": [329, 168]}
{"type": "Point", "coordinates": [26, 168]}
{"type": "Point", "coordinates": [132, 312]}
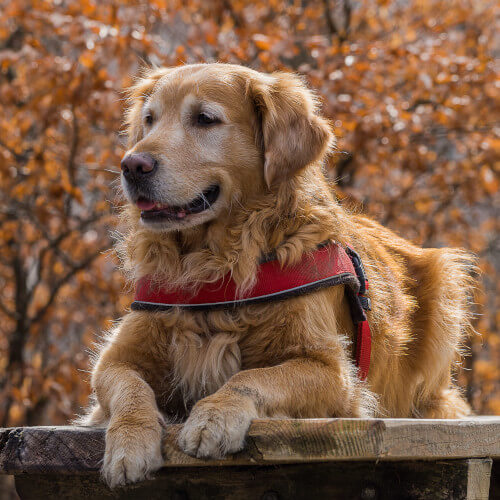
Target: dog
{"type": "Point", "coordinates": [225, 166]}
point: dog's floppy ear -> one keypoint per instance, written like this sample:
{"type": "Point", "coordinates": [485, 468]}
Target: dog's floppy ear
{"type": "Point", "coordinates": [293, 134]}
{"type": "Point", "coordinates": [136, 96]}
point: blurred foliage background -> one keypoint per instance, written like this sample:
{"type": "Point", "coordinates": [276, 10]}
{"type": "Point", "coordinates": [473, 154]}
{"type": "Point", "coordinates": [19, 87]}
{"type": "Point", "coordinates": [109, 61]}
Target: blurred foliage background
{"type": "Point", "coordinates": [410, 86]}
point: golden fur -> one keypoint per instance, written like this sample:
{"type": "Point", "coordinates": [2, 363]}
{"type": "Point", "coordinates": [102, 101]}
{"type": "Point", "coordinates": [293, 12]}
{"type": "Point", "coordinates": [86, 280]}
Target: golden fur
{"type": "Point", "coordinates": [287, 359]}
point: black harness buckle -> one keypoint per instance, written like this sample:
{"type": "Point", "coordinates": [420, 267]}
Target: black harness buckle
{"type": "Point", "coordinates": [365, 302]}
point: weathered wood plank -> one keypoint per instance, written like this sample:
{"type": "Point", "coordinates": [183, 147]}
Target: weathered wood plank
{"type": "Point", "coordinates": [51, 449]}
{"type": "Point", "coordinates": [478, 479]}
{"type": "Point", "coordinates": [387, 480]}
{"type": "Point", "coordinates": [381, 439]}
{"type": "Point", "coordinates": [80, 450]}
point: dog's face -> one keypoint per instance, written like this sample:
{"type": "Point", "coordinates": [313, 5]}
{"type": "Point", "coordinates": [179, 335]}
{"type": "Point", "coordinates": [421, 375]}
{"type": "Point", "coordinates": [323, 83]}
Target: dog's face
{"type": "Point", "coordinates": [203, 137]}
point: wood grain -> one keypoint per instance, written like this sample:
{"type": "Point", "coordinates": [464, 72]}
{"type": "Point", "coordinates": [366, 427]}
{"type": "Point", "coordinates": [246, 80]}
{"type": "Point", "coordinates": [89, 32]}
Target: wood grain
{"type": "Point", "coordinates": [363, 480]}
{"type": "Point", "coordinates": [478, 479]}
{"type": "Point", "coordinates": [76, 450]}
{"type": "Point", "coordinates": [380, 439]}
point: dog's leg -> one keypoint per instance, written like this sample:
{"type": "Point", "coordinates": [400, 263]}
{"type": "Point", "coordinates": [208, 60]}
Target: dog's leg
{"type": "Point", "coordinates": [296, 388]}
{"type": "Point", "coordinates": [134, 433]}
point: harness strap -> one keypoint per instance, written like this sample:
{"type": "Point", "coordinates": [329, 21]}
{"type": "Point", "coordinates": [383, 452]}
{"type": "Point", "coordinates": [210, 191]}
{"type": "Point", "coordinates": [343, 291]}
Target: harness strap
{"type": "Point", "coordinates": [329, 265]}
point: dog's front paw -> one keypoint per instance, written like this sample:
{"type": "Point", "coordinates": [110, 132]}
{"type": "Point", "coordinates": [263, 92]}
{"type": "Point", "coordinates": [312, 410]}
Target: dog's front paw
{"type": "Point", "coordinates": [133, 452]}
{"type": "Point", "coordinates": [214, 429]}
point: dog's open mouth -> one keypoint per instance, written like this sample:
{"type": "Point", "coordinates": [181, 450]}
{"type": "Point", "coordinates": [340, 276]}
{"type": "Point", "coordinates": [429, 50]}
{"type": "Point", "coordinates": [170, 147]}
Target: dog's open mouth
{"type": "Point", "coordinates": [151, 210]}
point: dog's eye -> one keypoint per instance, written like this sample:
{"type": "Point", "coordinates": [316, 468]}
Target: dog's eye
{"type": "Point", "coordinates": [205, 119]}
{"type": "Point", "coordinates": [148, 119]}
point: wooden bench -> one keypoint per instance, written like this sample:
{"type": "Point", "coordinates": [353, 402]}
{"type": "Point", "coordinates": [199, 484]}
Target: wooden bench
{"type": "Point", "coordinates": [283, 459]}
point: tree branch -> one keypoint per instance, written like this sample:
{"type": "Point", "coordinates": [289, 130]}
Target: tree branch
{"type": "Point", "coordinates": [338, 18]}
{"type": "Point", "coordinates": [65, 279]}
{"type": "Point", "coordinates": [53, 244]}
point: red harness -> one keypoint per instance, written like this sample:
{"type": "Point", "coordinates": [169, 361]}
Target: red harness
{"type": "Point", "coordinates": [330, 264]}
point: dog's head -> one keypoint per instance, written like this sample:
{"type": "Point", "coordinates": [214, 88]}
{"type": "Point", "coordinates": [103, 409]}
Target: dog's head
{"type": "Point", "coordinates": [202, 137]}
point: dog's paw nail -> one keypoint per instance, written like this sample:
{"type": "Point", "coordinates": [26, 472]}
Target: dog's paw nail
{"type": "Point", "coordinates": [129, 468]}
{"type": "Point", "coordinates": [130, 458]}
{"type": "Point", "coordinates": [213, 433]}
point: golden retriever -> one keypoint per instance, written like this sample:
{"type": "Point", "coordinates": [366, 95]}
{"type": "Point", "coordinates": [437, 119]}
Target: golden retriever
{"type": "Point", "coordinates": [225, 165]}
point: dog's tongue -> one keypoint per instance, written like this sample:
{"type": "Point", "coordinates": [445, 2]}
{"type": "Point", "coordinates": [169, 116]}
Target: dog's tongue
{"type": "Point", "coordinates": [145, 204]}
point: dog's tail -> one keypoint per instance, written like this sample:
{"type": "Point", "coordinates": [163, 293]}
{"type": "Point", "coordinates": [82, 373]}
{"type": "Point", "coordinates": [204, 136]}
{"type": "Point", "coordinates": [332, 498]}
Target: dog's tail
{"type": "Point", "coordinates": [458, 278]}
{"type": "Point", "coordinates": [447, 306]}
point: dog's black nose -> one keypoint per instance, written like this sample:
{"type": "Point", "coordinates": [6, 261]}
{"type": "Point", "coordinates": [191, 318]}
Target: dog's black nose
{"type": "Point", "coordinates": [136, 165]}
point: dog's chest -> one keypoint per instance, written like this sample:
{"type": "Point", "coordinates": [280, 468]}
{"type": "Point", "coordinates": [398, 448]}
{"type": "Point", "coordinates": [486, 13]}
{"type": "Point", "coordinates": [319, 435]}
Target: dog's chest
{"type": "Point", "coordinates": [202, 363]}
